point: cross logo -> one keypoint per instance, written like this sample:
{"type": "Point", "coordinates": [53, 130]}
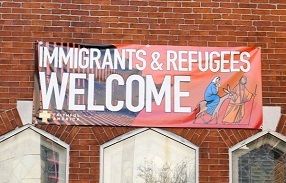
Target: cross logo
{"type": "Point", "coordinates": [45, 115]}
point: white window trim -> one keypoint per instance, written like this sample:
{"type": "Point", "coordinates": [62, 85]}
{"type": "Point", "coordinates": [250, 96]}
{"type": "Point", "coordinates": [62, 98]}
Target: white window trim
{"type": "Point", "coordinates": [45, 134]}
{"type": "Point", "coordinates": [247, 141]}
{"type": "Point", "coordinates": [138, 131]}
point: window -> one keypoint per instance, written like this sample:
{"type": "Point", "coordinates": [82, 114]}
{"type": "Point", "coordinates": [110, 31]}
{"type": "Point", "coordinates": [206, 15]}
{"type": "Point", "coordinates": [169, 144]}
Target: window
{"type": "Point", "coordinates": [31, 155]}
{"type": "Point", "coordinates": [149, 155]}
{"type": "Point", "coordinates": [261, 158]}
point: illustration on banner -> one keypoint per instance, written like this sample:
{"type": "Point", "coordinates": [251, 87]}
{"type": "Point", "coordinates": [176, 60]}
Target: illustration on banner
{"type": "Point", "coordinates": [234, 102]}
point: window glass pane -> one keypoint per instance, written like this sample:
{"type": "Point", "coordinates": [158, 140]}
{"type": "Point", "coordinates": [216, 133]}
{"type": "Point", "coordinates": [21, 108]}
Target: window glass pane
{"type": "Point", "coordinates": [24, 156]}
{"type": "Point", "coordinates": [53, 162]}
{"type": "Point", "coordinates": [149, 157]}
{"type": "Point", "coordinates": [263, 160]}
{"type": "Point", "coordinates": [50, 165]}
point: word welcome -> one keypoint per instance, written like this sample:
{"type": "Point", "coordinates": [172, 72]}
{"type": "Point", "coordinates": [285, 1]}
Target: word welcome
{"type": "Point", "coordinates": [147, 92]}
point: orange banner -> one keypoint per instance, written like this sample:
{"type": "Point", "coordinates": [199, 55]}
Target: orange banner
{"type": "Point", "coordinates": [149, 85]}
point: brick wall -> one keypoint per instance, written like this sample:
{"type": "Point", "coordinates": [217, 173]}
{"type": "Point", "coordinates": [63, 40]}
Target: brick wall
{"type": "Point", "coordinates": [197, 23]}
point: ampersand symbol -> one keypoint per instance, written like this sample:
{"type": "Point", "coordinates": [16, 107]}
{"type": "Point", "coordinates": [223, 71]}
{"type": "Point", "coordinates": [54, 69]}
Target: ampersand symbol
{"type": "Point", "coordinates": [155, 65]}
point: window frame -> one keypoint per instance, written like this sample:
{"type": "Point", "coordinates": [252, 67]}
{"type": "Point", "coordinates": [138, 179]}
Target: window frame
{"type": "Point", "coordinates": [44, 134]}
{"type": "Point", "coordinates": [132, 133]}
{"type": "Point", "coordinates": [247, 141]}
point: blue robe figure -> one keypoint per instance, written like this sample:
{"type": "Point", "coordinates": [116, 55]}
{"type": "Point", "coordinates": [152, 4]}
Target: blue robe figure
{"type": "Point", "coordinates": [211, 96]}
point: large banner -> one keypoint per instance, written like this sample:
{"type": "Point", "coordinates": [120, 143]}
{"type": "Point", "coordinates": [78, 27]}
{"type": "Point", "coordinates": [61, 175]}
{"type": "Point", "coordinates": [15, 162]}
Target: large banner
{"type": "Point", "coordinates": [148, 85]}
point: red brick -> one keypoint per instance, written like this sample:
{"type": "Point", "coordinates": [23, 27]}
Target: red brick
{"type": "Point", "coordinates": [11, 4]}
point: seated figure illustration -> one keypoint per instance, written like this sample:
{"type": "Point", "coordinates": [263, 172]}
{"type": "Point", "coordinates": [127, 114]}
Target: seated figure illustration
{"type": "Point", "coordinates": [212, 101]}
{"type": "Point", "coordinates": [211, 95]}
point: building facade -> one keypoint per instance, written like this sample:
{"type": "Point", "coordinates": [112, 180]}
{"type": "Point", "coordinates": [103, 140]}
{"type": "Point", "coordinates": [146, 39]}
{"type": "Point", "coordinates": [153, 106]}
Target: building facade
{"type": "Point", "coordinates": [228, 23]}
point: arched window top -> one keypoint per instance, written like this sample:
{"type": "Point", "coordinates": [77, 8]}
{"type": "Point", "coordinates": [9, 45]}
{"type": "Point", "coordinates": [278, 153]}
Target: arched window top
{"type": "Point", "coordinates": [31, 154]}
{"type": "Point", "coordinates": [156, 130]}
{"type": "Point", "coordinates": [260, 158]}
{"type": "Point", "coordinates": [147, 155]}
{"type": "Point", "coordinates": [36, 130]}
{"type": "Point", "coordinates": [255, 137]}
